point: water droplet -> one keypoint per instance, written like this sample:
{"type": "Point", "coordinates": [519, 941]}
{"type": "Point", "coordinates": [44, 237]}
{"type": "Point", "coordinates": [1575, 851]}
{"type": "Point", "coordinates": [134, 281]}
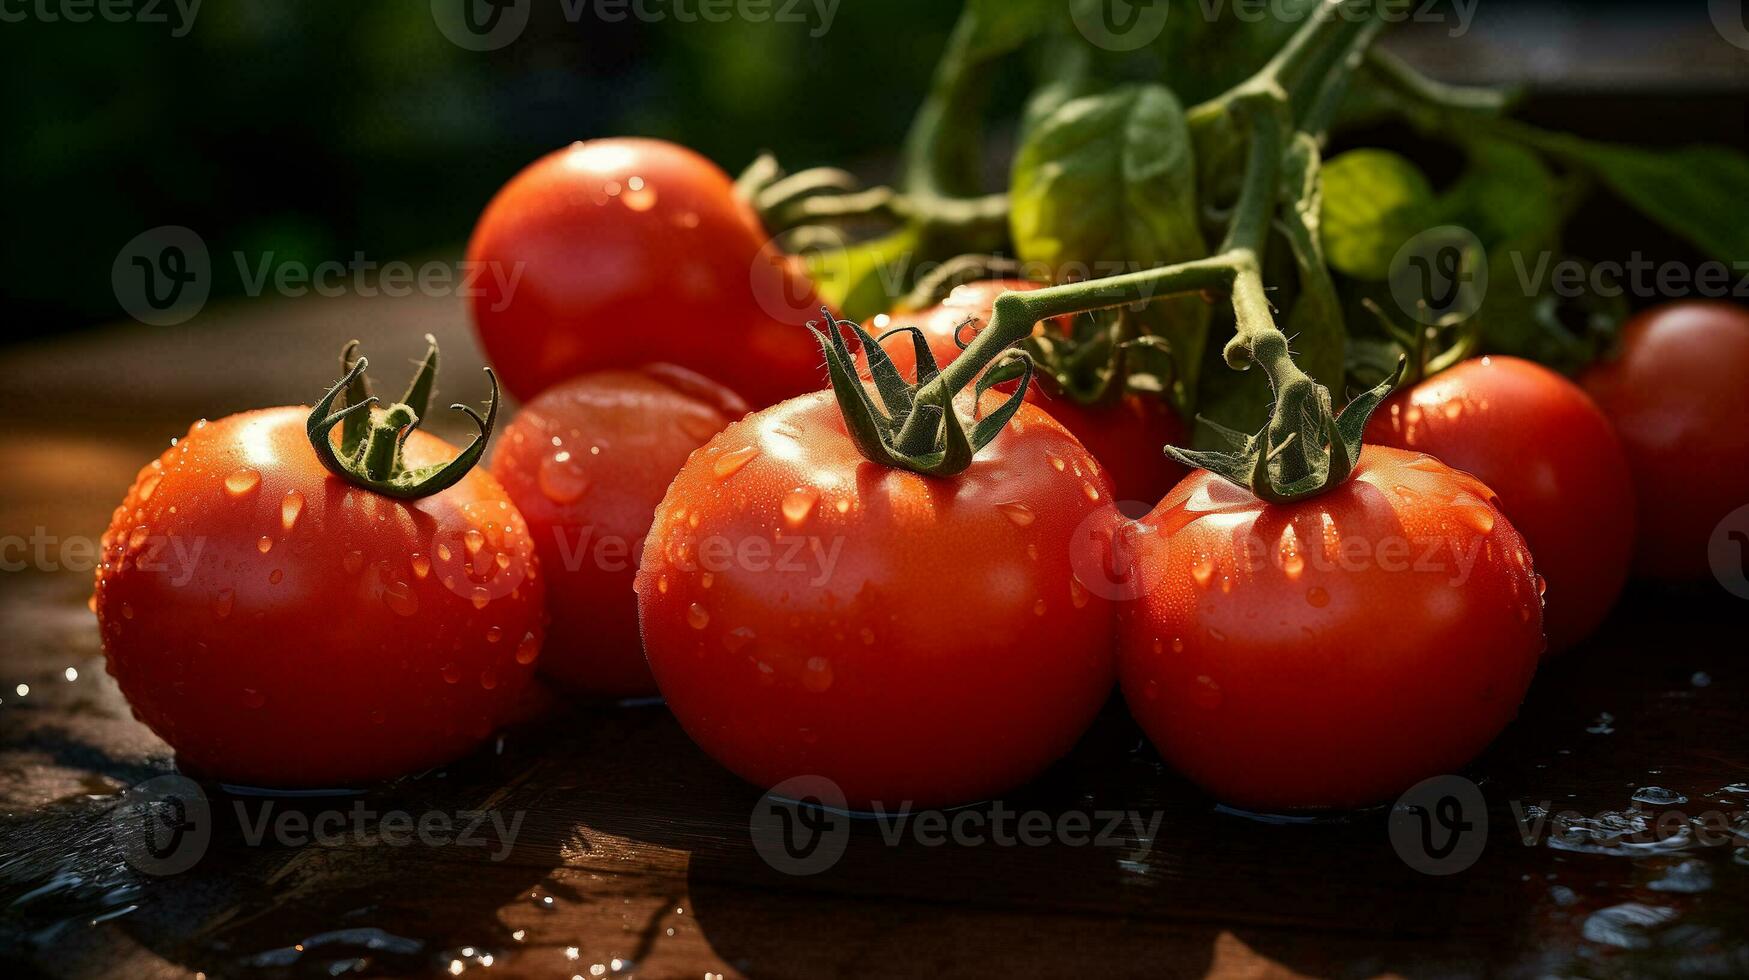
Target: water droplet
{"type": "Point", "coordinates": [480, 597]}
{"type": "Point", "coordinates": [488, 678]}
{"type": "Point", "coordinates": [242, 481]}
{"type": "Point", "coordinates": [528, 649]}
{"type": "Point", "coordinates": [443, 552]}
{"type": "Point", "coordinates": [1317, 597]}
{"type": "Point", "coordinates": [842, 505]}
{"type": "Point", "coordinates": [452, 674]}
{"type": "Point", "coordinates": [421, 564]}
{"type": "Point", "coordinates": [264, 545]}
{"type": "Point", "coordinates": [1542, 585]}
{"type": "Point", "coordinates": [706, 580]}
{"type": "Point", "coordinates": [799, 503]}
{"type": "Point", "coordinates": [1090, 490]}
{"type": "Point", "coordinates": [127, 611]}
{"type": "Point", "coordinates": [818, 675]}
{"type": "Point", "coordinates": [1056, 462]}
{"type": "Point", "coordinates": [562, 479]}
{"type": "Point", "coordinates": [1038, 607]}
{"type": "Point", "coordinates": [1077, 593]}
{"type": "Point", "coordinates": [138, 538]}
{"type": "Point", "coordinates": [253, 698]}
{"type": "Point", "coordinates": [276, 576]}
{"type": "Point", "coordinates": [1203, 571]}
{"type": "Point", "coordinates": [662, 584]}
{"type": "Point", "coordinates": [1018, 514]}
{"type": "Point", "coordinates": [1658, 796]}
{"type": "Point", "coordinates": [502, 560]}
{"type": "Point", "coordinates": [474, 540]}
{"type": "Point", "coordinates": [737, 639]}
{"type": "Point", "coordinates": [353, 562]}
{"type": "Point", "coordinates": [494, 634]}
{"type": "Point", "coordinates": [638, 196]}
{"type": "Point", "coordinates": [290, 508]}
{"type": "Point", "coordinates": [697, 616]}
{"type": "Point", "coordinates": [1208, 693]}
{"type": "Point", "coordinates": [867, 636]}
{"type": "Point", "coordinates": [728, 464]}
{"type": "Point", "coordinates": [400, 599]}
{"type": "Point", "coordinates": [149, 485]}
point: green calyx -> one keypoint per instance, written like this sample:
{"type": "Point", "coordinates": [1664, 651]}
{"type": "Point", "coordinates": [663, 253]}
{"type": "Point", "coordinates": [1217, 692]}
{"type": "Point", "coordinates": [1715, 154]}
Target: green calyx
{"type": "Point", "coordinates": [915, 426]}
{"type": "Point", "coordinates": [372, 436]}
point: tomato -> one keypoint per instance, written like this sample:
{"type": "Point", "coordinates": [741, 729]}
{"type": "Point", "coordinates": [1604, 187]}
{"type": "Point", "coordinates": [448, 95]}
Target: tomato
{"type": "Point", "coordinates": [914, 639]}
{"type": "Point", "coordinates": [1540, 443]}
{"type": "Point", "coordinates": [621, 252]}
{"type": "Point", "coordinates": [1126, 434]}
{"type": "Point", "coordinates": [586, 463]}
{"type": "Point", "coordinates": [1333, 651]}
{"type": "Point", "coordinates": [1678, 398]}
{"type": "Point", "coordinates": [280, 626]}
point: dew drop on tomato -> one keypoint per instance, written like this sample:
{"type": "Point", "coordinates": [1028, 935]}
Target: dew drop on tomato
{"type": "Point", "coordinates": [528, 649]}
{"type": "Point", "coordinates": [818, 675]}
{"type": "Point", "coordinates": [290, 508]}
{"type": "Point", "coordinates": [1017, 513]}
{"type": "Point", "coordinates": [561, 478]}
{"type": "Point", "coordinates": [494, 634]}
{"type": "Point", "coordinates": [488, 678]}
{"type": "Point", "coordinates": [242, 481]}
{"type": "Point", "coordinates": [421, 564]}
{"type": "Point", "coordinates": [452, 674]}
{"type": "Point", "coordinates": [728, 464]}
{"type": "Point", "coordinates": [474, 540]}
{"type": "Point", "coordinates": [798, 504]}
{"type": "Point", "coordinates": [400, 599]}
{"type": "Point", "coordinates": [480, 597]}
{"type": "Point", "coordinates": [264, 545]}
{"type": "Point", "coordinates": [353, 562]}
{"type": "Point", "coordinates": [697, 616]}
{"type": "Point", "coordinates": [1317, 597]}
{"type": "Point", "coordinates": [222, 603]}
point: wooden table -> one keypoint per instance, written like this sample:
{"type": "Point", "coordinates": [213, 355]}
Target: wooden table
{"type": "Point", "coordinates": [636, 850]}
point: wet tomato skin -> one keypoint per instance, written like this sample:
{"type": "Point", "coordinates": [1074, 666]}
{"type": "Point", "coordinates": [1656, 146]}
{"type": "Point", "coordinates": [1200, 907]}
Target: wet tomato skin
{"type": "Point", "coordinates": [1127, 434]}
{"type": "Point", "coordinates": [911, 639]}
{"type": "Point", "coordinates": [279, 627]}
{"type": "Point", "coordinates": [586, 463]}
{"type": "Point", "coordinates": [1316, 655]}
{"type": "Point", "coordinates": [1677, 396]}
{"type": "Point", "coordinates": [614, 253]}
{"type": "Point", "coordinates": [1542, 444]}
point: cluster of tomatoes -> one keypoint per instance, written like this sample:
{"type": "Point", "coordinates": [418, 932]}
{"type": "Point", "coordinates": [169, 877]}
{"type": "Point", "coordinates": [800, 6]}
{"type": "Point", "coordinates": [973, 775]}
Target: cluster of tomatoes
{"type": "Point", "coordinates": [920, 640]}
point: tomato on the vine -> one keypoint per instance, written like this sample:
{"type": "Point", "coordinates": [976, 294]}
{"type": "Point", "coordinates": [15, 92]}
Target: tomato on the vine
{"type": "Point", "coordinates": [279, 625]}
{"type": "Point", "coordinates": [1125, 432]}
{"type": "Point", "coordinates": [1539, 442]}
{"type": "Point", "coordinates": [1678, 394]}
{"type": "Point", "coordinates": [617, 253]}
{"type": "Point", "coordinates": [914, 639]}
{"type": "Point", "coordinates": [1333, 651]}
{"type": "Point", "coordinates": [586, 463]}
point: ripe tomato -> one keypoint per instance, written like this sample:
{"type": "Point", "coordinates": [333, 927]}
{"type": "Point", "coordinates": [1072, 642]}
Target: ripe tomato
{"type": "Point", "coordinates": [1546, 449]}
{"type": "Point", "coordinates": [618, 252]}
{"type": "Point", "coordinates": [586, 463]}
{"type": "Point", "coordinates": [1334, 651]}
{"type": "Point", "coordinates": [1126, 434]}
{"type": "Point", "coordinates": [919, 640]}
{"type": "Point", "coordinates": [1678, 398]}
{"type": "Point", "coordinates": [279, 626]}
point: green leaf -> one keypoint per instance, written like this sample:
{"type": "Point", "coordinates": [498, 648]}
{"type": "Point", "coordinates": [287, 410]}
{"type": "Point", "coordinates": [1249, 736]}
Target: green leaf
{"type": "Point", "coordinates": [1696, 192]}
{"type": "Point", "coordinates": [1374, 201]}
{"type": "Point", "coordinates": [862, 280]}
{"type": "Point", "coordinates": [1106, 184]}
{"type": "Point", "coordinates": [1000, 26]}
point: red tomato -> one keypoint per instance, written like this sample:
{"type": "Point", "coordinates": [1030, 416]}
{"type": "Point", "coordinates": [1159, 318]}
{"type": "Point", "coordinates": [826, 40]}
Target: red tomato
{"type": "Point", "coordinates": [1334, 651]}
{"type": "Point", "coordinates": [620, 252]}
{"type": "Point", "coordinates": [586, 463]}
{"type": "Point", "coordinates": [1546, 449]}
{"type": "Point", "coordinates": [807, 612]}
{"type": "Point", "coordinates": [1126, 436]}
{"type": "Point", "coordinates": [1678, 395]}
{"type": "Point", "coordinates": [279, 626]}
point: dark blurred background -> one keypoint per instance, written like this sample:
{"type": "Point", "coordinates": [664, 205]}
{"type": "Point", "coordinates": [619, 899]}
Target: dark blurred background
{"type": "Point", "coordinates": [323, 128]}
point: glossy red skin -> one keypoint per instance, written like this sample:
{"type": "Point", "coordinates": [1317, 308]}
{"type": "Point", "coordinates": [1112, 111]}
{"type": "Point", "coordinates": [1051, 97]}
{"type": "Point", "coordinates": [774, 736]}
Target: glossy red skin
{"type": "Point", "coordinates": [1543, 445]}
{"type": "Point", "coordinates": [1303, 680]}
{"type": "Point", "coordinates": [1127, 436]}
{"type": "Point", "coordinates": [943, 653]}
{"type": "Point", "coordinates": [586, 463]}
{"type": "Point", "coordinates": [328, 660]}
{"type": "Point", "coordinates": [1678, 395]}
{"type": "Point", "coordinates": [677, 270]}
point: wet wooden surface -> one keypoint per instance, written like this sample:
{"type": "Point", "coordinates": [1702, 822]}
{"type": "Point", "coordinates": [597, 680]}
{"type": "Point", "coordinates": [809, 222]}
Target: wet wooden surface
{"type": "Point", "coordinates": [634, 855]}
